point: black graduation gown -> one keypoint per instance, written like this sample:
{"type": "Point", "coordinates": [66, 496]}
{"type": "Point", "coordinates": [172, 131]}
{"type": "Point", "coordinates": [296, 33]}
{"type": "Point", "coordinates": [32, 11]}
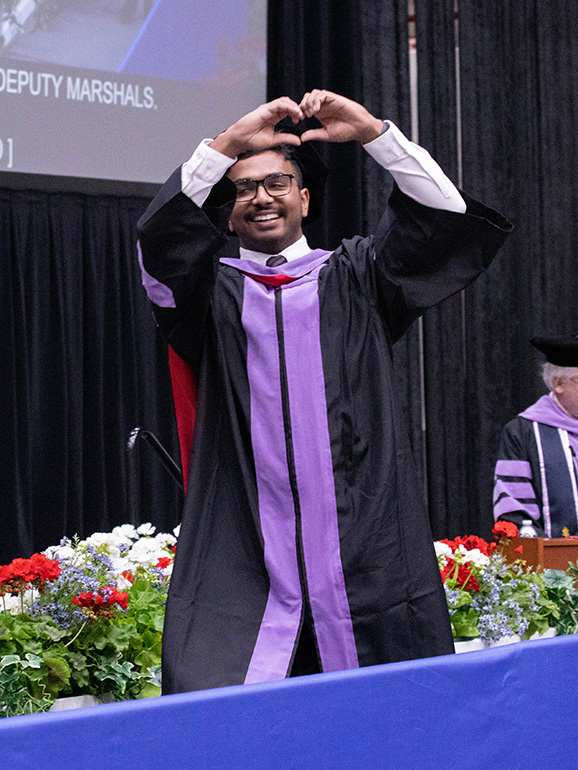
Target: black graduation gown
{"type": "Point", "coordinates": [302, 503]}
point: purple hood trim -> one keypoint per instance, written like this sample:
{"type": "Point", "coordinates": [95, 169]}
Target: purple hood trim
{"type": "Point", "coordinates": [156, 291]}
{"type": "Point", "coordinates": [309, 435]}
{"type": "Point", "coordinates": [315, 482]}
{"type": "Point", "coordinates": [546, 410]}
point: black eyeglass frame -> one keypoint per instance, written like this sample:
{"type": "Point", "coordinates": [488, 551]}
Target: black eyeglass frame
{"type": "Point", "coordinates": [257, 182]}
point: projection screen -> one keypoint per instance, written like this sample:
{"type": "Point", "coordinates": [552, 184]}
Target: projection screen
{"type": "Point", "coordinates": [123, 89]}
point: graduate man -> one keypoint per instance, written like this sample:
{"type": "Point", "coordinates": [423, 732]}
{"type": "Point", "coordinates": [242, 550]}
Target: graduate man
{"type": "Point", "coordinates": [536, 476]}
{"type": "Point", "coordinates": [304, 546]}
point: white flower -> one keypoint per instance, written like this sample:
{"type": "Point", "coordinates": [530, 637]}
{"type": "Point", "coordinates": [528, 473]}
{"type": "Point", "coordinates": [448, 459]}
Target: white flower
{"type": "Point", "coordinates": [164, 539]}
{"type": "Point", "coordinates": [146, 529]}
{"type": "Point", "coordinates": [97, 539]}
{"type": "Point", "coordinates": [120, 564]}
{"type": "Point", "coordinates": [177, 530]}
{"type": "Point", "coordinates": [460, 552]}
{"type": "Point", "coordinates": [442, 549]}
{"type": "Point", "coordinates": [145, 551]}
{"type": "Point", "coordinates": [122, 583]}
{"type": "Point", "coordinates": [476, 557]}
{"type": "Point", "coordinates": [126, 531]}
{"type": "Point", "coordinates": [60, 552]}
{"type": "Point", "coordinates": [107, 542]}
{"type": "Point", "coordinates": [12, 603]}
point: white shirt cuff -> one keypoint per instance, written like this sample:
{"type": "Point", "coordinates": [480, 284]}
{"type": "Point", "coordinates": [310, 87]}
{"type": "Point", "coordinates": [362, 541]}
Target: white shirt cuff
{"type": "Point", "coordinates": [202, 171]}
{"type": "Point", "coordinates": [415, 171]}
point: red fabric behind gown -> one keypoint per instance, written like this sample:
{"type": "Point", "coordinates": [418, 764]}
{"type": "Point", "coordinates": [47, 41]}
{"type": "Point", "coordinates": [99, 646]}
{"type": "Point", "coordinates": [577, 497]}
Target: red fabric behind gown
{"type": "Point", "coordinates": [185, 397]}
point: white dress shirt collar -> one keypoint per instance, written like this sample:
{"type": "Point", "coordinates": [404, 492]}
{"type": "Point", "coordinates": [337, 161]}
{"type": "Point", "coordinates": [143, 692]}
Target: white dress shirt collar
{"type": "Point", "coordinates": [296, 250]}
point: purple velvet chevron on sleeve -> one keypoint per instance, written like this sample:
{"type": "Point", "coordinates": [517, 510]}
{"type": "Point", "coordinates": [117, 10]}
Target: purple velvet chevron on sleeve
{"type": "Point", "coordinates": [513, 489]}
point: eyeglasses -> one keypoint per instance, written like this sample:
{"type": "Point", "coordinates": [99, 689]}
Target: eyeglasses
{"type": "Point", "coordinates": [275, 185]}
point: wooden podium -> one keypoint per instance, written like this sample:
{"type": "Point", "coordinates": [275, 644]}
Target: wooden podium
{"type": "Point", "coordinates": [553, 553]}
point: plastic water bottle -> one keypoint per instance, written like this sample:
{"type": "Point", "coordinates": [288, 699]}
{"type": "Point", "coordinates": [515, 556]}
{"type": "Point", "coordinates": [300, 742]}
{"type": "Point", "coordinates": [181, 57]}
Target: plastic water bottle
{"type": "Point", "coordinates": [527, 529]}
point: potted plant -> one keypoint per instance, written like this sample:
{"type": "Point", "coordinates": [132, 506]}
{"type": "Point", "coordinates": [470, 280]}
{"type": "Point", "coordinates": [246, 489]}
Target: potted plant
{"type": "Point", "coordinates": [83, 618]}
{"type": "Point", "coordinates": [489, 599]}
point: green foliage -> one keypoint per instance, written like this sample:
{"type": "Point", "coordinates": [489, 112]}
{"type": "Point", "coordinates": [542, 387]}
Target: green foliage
{"type": "Point", "coordinates": [491, 598]}
{"type": "Point", "coordinates": [465, 620]}
{"type": "Point", "coordinates": [561, 588]}
{"type": "Point", "coordinates": [21, 694]}
{"type": "Point", "coordinates": [39, 662]}
{"type": "Point", "coordinates": [119, 653]}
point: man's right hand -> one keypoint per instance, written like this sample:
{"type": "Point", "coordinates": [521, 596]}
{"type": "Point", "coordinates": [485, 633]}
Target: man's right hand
{"type": "Point", "coordinates": [256, 130]}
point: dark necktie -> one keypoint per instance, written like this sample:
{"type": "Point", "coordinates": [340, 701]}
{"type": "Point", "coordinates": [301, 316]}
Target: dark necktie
{"type": "Point", "coordinates": [275, 260]}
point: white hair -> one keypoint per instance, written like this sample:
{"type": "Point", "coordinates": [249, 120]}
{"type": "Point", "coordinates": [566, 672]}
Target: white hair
{"type": "Point", "coordinates": [551, 372]}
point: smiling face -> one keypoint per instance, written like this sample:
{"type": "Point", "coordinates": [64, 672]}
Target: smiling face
{"type": "Point", "coordinates": [265, 223]}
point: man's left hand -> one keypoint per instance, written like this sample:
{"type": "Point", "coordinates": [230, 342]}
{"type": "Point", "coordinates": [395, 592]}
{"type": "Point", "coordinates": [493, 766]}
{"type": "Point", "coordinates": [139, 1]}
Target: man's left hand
{"type": "Point", "coordinates": [342, 119]}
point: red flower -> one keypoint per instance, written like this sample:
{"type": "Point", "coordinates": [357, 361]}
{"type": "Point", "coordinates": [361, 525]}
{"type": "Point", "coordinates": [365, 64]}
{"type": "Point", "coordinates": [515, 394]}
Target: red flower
{"type": "Point", "coordinates": [36, 570]}
{"type": "Point", "coordinates": [505, 529]}
{"type": "Point", "coordinates": [461, 573]}
{"type": "Point", "coordinates": [519, 549]}
{"type": "Point", "coordinates": [128, 576]}
{"type": "Point", "coordinates": [101, 603]}
{"type": "Point", "coordinates": [45, 568]}
{"type": "Point", "coordinates": [120, 598]}
{"type": "Point", "coordinates": [164, 562]}
{"type": "Point", "coordinates": [466, 578]}
{"type": "Point", "coordinates": [21, 568]}
{"type": "Point", "coordinates": [5, 573]}
{"type": "Point", "coordinates": [84, 600]}
{"type": "Point", "coordinates": [471, 542]}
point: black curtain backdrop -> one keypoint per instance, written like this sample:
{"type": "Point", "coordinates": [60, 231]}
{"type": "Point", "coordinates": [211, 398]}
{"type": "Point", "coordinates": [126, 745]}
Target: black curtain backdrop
{"type": "Point", "coordinates": [81, 365]}
{"type": "Point", "coordinates": [300, 60]}
{"type": "Point", "coordinates": [519, 97]}
{"type": "Point", "coordinates": [443, 326]}
{"type": "Point", "coordinates": [360, 50]}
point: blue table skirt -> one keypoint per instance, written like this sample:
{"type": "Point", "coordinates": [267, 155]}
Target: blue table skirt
{"type": "Point", "coordinates": [508, 707]}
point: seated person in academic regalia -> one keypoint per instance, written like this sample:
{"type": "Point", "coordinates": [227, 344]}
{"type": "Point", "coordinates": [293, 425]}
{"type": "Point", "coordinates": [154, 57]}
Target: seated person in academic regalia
{"type": "Point", "coordinates": [537, 474]}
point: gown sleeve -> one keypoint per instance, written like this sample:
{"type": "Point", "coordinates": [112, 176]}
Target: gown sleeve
{"type": "Point", "coordinates": [516, 496]}
{"type": "Point", "coordinates": [423, 255]}
{"type": "Point", "coordinates": [179, 249]}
